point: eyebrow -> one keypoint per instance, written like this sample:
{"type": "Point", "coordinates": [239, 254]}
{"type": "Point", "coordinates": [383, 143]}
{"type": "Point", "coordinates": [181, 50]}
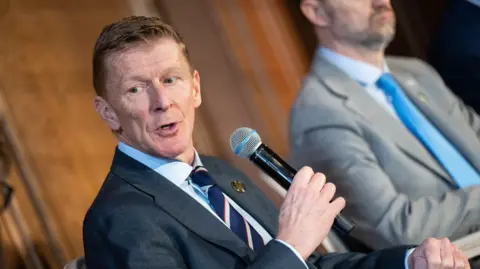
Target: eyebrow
{"type": "Point", "coordinates": [143, 78]}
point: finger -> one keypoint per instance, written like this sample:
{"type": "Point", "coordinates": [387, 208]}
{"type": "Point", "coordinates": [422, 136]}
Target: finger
{"type": "Point", "coordinates": [432, 253]}
{"type": "Point", "coordinates": [317, 182]}
{"type": "Point", "coordinates": [446, 254]}
{"type": "Point", "coordinates": [302, 178]}
{"type": "Point", "coordinates": [338, 205]}
{"type": "Point", "coordinates": [459, 262]}
{"type": "Point", "coordinates": [328, 192]}
{"type": "Point", "coordinates": [465, 261]}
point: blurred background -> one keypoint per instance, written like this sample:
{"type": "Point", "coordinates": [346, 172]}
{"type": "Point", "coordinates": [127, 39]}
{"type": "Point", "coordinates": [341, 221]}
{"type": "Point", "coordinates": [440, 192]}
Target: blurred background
{"type": "Point", "coordinates": [56, 151]}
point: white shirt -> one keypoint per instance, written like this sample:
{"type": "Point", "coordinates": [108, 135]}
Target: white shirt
{"type": "Point", "coordinates": [367, 75]}
{"type": "Point", "coordinates": [178, 172]}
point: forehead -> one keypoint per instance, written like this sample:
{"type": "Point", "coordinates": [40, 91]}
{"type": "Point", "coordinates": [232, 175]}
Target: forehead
{"type": "Point", "coordinates": [145, 59]}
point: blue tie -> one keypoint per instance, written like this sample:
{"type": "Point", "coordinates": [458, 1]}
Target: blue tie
{"type": "Point", "coordinates": [206, 188]}
{"type": "Point", "coordinates": [455, 164]}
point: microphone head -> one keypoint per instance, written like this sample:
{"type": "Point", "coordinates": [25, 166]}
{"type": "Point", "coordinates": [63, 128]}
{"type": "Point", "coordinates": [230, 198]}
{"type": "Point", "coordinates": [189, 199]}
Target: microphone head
{"type": "Point", "coordinates": [244, 141]}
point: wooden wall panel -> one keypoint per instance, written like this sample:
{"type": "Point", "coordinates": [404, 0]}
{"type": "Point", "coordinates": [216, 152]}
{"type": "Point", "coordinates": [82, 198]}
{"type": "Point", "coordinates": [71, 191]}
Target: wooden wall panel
{"type": "Point", "coordinates": [45, 78]}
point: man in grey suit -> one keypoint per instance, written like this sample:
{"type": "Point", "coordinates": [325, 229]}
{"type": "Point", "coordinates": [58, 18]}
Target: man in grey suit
{"type": "Point", "coordinates": [399, 146]}
{"type": "Point", "coordinates": [163, 205]}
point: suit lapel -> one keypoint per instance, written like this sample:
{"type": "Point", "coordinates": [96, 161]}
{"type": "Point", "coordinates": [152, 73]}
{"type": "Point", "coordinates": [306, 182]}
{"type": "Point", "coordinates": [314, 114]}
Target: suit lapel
{"type": "Point", "coordinates": [440, 118]}
{"type": "Point", "coordinates": [179, 205]}
{"type": "Point", "coordinates": [360, 102]}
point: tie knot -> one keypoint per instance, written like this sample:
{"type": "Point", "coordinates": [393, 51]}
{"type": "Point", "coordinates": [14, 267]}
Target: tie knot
{"type": "Point", "coordinates": [387, 84]}
{"type": "Point", "coordinates": [201, 177]}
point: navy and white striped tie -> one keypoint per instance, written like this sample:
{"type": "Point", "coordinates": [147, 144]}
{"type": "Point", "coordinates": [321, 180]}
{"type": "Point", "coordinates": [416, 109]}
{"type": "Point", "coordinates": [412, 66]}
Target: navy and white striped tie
{"type": "Point", "coordinates": [206, 188]}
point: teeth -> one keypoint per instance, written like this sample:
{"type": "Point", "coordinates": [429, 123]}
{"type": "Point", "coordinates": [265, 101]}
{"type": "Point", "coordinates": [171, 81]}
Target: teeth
{"type": "Point", "coordinates": [166, 126]}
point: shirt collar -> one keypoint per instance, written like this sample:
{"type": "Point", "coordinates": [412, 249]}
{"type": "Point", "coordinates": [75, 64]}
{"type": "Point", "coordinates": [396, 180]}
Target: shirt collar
{"type": "Point", "coordinates": [359, 71]}
{"type": "Point", "coordinates": [173, 170]}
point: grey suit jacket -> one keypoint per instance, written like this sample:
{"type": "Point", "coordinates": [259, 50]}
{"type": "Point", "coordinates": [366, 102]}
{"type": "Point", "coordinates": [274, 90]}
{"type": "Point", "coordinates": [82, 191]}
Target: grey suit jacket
{"type": "Point", "coordinates": [395, 190]}
{"type": "Point", "coordinates": [140, 220]}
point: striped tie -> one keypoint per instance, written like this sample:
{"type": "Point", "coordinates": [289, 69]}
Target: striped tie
{"type": "Point", "coordinates": [208, 190]}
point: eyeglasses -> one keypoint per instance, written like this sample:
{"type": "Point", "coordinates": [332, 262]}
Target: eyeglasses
{"type": "Point", "coordinates": [6, 192]}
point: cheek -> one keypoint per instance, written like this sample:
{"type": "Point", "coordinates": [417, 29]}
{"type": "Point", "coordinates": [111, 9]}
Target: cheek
{"type": "Point", "coordinates": [183, 97]}
{"type": "Point", "coordinates": [135, 112]}
{"type": "Point", "coordinates": [354, 14]}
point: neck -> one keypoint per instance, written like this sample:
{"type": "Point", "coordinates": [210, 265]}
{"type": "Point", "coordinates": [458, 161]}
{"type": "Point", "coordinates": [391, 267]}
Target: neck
{"type": "Point", "coordinates": [359, 53]}
{"type": "Point", "coordinates": [187, 157]}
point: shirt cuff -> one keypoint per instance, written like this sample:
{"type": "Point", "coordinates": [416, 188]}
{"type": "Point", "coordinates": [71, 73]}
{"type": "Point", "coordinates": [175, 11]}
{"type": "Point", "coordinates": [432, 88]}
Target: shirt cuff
{"type": "Point", "coordinates": [406, 256]}
{"type": "Point", "coordinates": [296, 252]}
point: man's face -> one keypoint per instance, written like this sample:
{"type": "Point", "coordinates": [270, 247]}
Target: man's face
{"type": "Point", "coordinates": [370, 23]}
{"type": "Point", "coordinates": [151, 98]}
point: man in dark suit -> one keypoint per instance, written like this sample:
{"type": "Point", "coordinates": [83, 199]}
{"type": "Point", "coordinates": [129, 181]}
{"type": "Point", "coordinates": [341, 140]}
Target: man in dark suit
{"type": "Point", "coordinates": [164, 206]}
{"type": "Point", "coordinates": [455, 50]}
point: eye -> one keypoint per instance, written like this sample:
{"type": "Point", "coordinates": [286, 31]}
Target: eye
{"type": "Point", "coordinates": [170, 80]}
{"type": "Point", "coordinates": [133, 90]}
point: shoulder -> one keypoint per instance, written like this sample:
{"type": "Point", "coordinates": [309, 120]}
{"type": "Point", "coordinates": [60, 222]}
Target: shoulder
{"type": "Point", "coordinates": [411, 65]}
{"type": "Point", "coordinates": [425, 74]}
{"type": "Point", "coordinates": [316, 106]}
{"type": "Point", "coordinates": [117, 202]}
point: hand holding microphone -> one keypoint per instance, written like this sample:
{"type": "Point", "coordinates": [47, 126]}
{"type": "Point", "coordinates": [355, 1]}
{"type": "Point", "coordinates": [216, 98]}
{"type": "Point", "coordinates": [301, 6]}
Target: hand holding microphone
{"type": "Point", "coordinates": [308, 212]}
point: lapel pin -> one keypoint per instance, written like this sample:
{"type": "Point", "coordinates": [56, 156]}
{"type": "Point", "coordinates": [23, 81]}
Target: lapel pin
{"type": "Point", "coordinates": [238, 186]}
{"type": "Point", "coordinates": [423, 98]}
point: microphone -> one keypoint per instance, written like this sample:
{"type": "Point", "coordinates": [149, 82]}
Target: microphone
{"type": "Point", "coordinates": [246, 143]}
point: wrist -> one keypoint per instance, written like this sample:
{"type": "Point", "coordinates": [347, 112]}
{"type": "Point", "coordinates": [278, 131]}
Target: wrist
{"type": "Point", "coordinates": [302, 251]}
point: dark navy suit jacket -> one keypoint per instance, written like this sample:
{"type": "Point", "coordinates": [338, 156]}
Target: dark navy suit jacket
{"type": "Point", "coordinates": [141, 220]}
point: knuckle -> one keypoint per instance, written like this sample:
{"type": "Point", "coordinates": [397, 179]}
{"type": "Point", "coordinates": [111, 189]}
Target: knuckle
{"type": "Point", "coordinates": [430, 242]}
{"type": "Point", "coordinates": [431, 250]}
{"type": "Point", "coordinates": [308, 169]}
{"type": "Point", "coordinates": [447, 264]}
{"type": "Point", "coordinates": [340, 203]}
{"type": "Point", "coordinates": [330, 187]}
{"type": "Point", "coordinates": [445, 241]}
{"type": "Point", "coordinates": [459, 264]}
{"type": "Point", "coordinates": [436, 262]}
{"type": "Point", "coordinates": [319, 177]}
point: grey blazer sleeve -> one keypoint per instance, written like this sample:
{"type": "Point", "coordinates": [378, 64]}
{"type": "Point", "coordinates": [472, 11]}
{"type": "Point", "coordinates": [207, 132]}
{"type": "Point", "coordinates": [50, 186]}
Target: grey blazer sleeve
{"type": "Point", "coordinates": [384, 216]}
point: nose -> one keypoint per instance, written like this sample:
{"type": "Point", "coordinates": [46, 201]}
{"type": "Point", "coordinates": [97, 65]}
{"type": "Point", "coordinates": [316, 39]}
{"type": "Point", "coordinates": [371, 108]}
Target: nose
{"type": "Point", "coordinates": [161, 101]}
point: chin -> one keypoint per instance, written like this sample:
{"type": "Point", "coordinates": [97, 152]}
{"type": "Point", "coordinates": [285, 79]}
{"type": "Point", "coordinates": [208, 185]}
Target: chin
{"type": "Point", "coordinates": [171, 150]}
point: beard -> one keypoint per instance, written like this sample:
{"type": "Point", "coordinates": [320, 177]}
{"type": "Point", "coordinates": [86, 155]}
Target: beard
{"type": "Point", "coordinates": [376, 36]}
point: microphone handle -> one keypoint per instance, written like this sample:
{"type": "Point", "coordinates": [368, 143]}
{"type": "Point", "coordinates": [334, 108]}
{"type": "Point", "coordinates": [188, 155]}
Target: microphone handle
{"type": "Point", "coordinates": [283, 174]}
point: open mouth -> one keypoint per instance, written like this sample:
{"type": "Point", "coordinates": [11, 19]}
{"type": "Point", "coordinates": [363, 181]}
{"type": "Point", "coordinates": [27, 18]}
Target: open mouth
{"type": "Point", "coordinates": [168, 126]}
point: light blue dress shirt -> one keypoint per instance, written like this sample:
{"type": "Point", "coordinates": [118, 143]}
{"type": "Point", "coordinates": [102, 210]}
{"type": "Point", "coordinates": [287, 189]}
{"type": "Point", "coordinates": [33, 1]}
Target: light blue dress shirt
{"type": "Point", "coordinates": [367, 75]}
{"type": "Point", "coordinates": [178, 173]}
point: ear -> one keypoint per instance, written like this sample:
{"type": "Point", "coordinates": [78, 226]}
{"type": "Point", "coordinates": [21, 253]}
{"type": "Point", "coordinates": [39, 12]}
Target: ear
{"type": "Point", "coordinates": [197, 97]}
{"type": "Point", "coordinates": [315, 12]}
{"type": "Point", "coordinates": [106, 112]}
